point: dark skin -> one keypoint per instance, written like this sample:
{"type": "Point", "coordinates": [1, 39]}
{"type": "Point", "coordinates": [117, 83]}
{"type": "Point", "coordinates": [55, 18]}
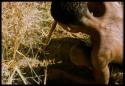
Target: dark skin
{"type": "Point", "coordinates": [107, 39]}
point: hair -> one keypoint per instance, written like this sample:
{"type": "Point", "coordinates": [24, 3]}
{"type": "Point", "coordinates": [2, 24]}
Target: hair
{"type": "Point", "coordinates": [68, 12]}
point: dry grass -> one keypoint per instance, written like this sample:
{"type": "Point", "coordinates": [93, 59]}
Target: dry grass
{"type": "Point", "coordinates": [26, 23]}
{"type": "Point", "coordinates": [23, 23]}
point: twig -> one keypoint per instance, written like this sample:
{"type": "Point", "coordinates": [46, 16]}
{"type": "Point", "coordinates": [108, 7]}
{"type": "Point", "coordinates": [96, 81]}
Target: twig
{"type": "Point", "coordinates": [50, 33]}
{"type": "Point", "coordinates": [45, 78]}
{"type": "Point", "coordinates": [11, 77]}
{"type": "Point", "coordinates": [20, 74]}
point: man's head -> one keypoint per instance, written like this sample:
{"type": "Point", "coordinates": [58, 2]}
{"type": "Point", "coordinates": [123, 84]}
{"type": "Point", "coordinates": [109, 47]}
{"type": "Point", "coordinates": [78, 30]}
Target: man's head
{"type": "Point", "coordinates": [68, 12]}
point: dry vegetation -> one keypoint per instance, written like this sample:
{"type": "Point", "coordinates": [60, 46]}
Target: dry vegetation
{"type": "Point", "coordinates": [25, 25]}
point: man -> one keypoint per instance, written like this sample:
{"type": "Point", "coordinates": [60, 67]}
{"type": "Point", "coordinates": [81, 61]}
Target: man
{"type": "Point", "coordinates": [105, 26]}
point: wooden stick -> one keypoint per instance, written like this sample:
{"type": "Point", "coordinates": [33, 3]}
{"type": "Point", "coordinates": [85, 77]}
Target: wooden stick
{"type": "Point", "coordinates": [50, 34]}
